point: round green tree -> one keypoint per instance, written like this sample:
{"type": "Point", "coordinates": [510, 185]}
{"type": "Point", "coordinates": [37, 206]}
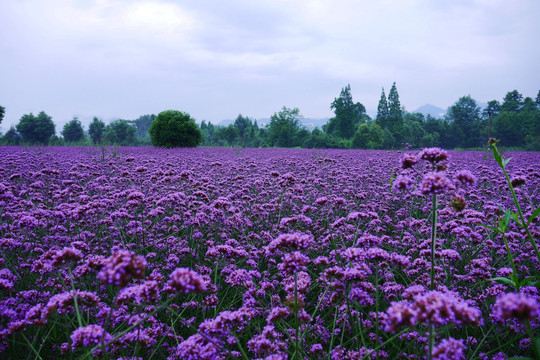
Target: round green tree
{"type": "Point", "coordinates": [172, 128]}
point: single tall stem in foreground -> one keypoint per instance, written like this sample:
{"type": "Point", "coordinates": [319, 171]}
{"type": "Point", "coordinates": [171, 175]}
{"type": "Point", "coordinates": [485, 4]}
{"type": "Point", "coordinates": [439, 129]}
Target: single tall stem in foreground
{"type": "Point", "coordinates": [432, 272]}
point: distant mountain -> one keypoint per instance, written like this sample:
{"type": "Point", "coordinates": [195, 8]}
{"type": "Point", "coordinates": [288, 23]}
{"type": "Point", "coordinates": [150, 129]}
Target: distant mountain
{"type": "Point", "coordinates": [432, 110]}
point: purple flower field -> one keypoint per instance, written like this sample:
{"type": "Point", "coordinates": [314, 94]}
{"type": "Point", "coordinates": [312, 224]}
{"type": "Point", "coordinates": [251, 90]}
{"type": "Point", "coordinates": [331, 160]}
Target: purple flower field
{"type": "Point", "coordinates": [143, 253]}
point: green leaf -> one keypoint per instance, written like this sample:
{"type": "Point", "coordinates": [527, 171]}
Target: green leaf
{"type": "Point", "coordinates": [506, 161]}
{"type": "Point", "coordinates": [497, 157]}
{"type": "Point", "coordinates": [519, 358]}
{"type": "Point", "coordinates": [529, 280]}
{"type": "Point", "coordinates": [505, 280]}
{"type": "Point", "coordinates": [490, 227]}
{"type": "Point", "coordinates": [512, 216]}
{"type": "Point", "coordinates": [533, 215]}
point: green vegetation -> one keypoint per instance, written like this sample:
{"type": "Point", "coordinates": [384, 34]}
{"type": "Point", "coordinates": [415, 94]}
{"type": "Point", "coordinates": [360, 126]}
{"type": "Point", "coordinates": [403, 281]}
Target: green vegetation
{"type": "Point", "coordinates": [515, 121]}
{"type": "Point", "coordinates": [172, 128]}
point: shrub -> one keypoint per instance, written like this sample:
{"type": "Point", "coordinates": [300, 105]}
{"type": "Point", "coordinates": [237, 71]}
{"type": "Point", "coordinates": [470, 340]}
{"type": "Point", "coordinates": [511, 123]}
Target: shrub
{"type": "Point", "coordinates": [172, 128]}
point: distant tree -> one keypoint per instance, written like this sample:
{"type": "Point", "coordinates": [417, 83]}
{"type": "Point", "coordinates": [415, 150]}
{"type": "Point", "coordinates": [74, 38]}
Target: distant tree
{"type": "Point", "coordinates": [464, 122]}
{"type": "Point", "coordinates": [512, 102]}
{"type": "Point", "coordinates": [96, 130]}
{"type": "Point", "coordinates": [228, 134]}
{"type": "Point", "coordinates": [413, 129]}
{"type": "Point", "coordinates": [348, 115]}
{"type": "Point", "coordinates": [382, 111]}
{"type": "Point", "coordinates": [73, 131]}
{"type": "Point", "coordinates": [395, 114]}
{"type": "Point", "coordinates": [172, 128]}
{"type": "Point", "coordinates": [120, 132]}
{"type": "Point", "coordinates": [283, 127]}
{"type": "Point", "coordinates": [243, 126]}
{"type": "Point", "coordinates": [143, 124]}
{"type": "Point", "coordinates": [2, 113]}
{"type": "Point", "coordinates": [11, 137]}
{"type": "Point", "coordinates": [36, 129]}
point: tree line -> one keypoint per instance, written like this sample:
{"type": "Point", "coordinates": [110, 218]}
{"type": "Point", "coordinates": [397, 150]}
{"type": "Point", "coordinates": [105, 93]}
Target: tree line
{"type": "Point", "coordinates": [515, 121]}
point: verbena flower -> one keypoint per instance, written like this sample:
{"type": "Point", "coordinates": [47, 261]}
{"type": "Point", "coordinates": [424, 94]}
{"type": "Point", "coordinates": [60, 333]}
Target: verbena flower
{"type": "Point", "coordinates": [184, 281]}
{"type": "Point", "coordinates": [121, 267]}
{"type": "Point", "coordinates": [435, 183]}
{"type": "Point", "coordinates": [465, 177]}
{"type": "Point", "coordinates": [433, 155]}
{"type": "Point", "coordinates": [293, 263]}
{"type": "Point", "coordinates": [90, 335]}
{"type": "Point", "coordinates": [449, 349]}
{"type": "Point", "coordinates": [515, 306]}
{"type": "Point", "coordinates": [402, 183]}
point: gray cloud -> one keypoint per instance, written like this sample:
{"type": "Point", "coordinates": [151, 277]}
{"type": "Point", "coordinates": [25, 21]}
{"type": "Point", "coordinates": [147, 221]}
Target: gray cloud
{"type": "Point", "coordinates": [215, 59]}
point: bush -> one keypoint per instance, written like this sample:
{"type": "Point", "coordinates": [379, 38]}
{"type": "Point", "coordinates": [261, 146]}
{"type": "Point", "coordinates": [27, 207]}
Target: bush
{"type": "Point", "coordinates": [172, 128]}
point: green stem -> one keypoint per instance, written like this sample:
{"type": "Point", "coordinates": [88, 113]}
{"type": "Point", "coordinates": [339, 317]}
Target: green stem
{"type": "Point", "coordinates": [511, 261]}
{"type": "Point", "coordinates": [433, 240]}
{"type": "Point", "coordinates": [534, 344]}
{"type": "Point", "coordinates": [520, 212]}
{"type": "Point", "coordinates": [432, 272]}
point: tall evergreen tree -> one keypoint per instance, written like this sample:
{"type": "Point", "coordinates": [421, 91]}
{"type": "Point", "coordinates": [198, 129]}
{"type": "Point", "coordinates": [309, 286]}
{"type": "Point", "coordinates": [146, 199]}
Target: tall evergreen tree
{"type": "Point", "coordinates": [395, 114]}
{"type": "Point", "coordinates": [3, 111]}
{"type": "Point", "coordinates": [382, 111]}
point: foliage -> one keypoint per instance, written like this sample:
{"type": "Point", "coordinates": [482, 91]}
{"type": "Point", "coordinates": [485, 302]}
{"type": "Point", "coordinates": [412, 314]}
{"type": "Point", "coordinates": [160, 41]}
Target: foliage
{"type": "Point", "coordinates": [395, 114]}
{"type": "Point", "coordinates": [275, 253]}
{"type": "Point", "coordinates": [172, 128]}
{"type": "Point", "coordinates": [383, 114]}
{"type": "Point", "coordinates": [464, 123]}
{"type": "Point", "coordinates": [348, 115]}
{"type": "Point", "coordinates": [36, 129]}
{"type": "Point", "coordinates": [96, 130]}
{"type": "Point", "coordinates": [11, 137]}
{"type": "Point", "coordinates": [73, 131]}
{"type": "Point", "coordinates": [284, 128]}
{"type": "Point", "coordinates": [143, 124]}
{"type": "Point", "coordinates": [2, 113]}
{"type": "Point", "coordinates": [120, 132]}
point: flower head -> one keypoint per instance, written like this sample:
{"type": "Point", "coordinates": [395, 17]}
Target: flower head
{"type": "Point", "coordinates": [465, 177]}
{"type": "Point", "coordinates": [293, 263]}
{"type": "Point", "coordinates": [435, 183]}
{"type": "Point", "coordinates": [449, 349]}
{"type": "Point", "coordinates": [433, 155]}
{"type": "Point", "coordinates": [184, 280]}
{"type": "Point", "coordinates": [90, 335]}
{"type": "Point", "coordinates": [121, 267]}
{"type": "Point", "coordinates": [407, 161]}
{"type": "Point", "coordinates": [516, 305]}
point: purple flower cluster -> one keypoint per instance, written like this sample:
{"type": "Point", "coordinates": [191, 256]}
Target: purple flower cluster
{"type": "Point", "coordinates": [184, 281]}
{"type": "Point", "coordinates": [121, 267]}
{"type": "Point", "coordinates": [272, 251]}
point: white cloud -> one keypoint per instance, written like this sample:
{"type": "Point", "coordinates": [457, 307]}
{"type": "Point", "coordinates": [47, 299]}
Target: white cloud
{"type": "Point", "coordinates": [123, 58]}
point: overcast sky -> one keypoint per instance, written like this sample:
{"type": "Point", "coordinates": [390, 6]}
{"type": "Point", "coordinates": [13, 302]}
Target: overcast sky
{"type": "Point", "coordinates": [217, 59]}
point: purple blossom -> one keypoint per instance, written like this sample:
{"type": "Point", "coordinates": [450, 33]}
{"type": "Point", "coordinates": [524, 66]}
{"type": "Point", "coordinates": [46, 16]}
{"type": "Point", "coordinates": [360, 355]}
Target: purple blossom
{"type": "Point", "coordinates": [449, 349]}
{"type": "Point", "coordinates": [184, 281]}
{"type": "Point", "coordinates": [435, 183]}
{"type": "Point", "coordinates": [90, 335]}
{"type": "Point", "coordinates": [516, 306]}
{"type": "Point", "coordinates": [465, 177]}
{"type": "Point", "coordinates": [121, 267]}
{"type": "Point", "coordinates": [293, 263]}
